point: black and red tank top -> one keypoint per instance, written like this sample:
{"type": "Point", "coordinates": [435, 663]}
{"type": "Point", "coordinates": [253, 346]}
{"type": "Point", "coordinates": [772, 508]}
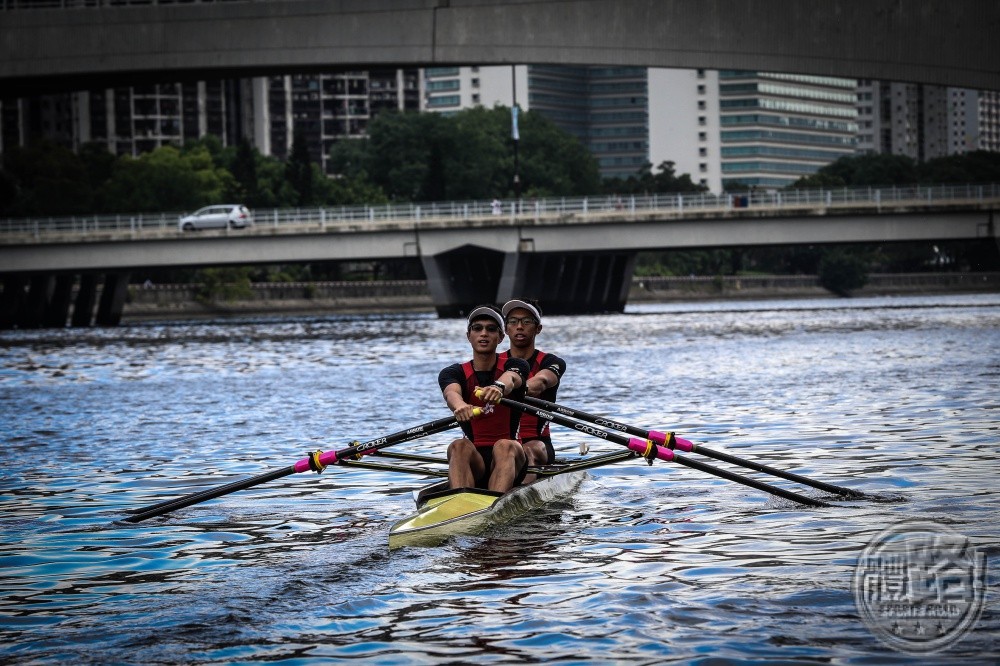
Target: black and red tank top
{"type": "Point", "coordinates": [497, 421]}
{"type": "Point", "coordinates": [532, 427]}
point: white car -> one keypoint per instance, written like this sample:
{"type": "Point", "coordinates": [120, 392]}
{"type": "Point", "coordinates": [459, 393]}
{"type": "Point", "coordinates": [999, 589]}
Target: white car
{"type": "Point", "coordinates": [214, 217]}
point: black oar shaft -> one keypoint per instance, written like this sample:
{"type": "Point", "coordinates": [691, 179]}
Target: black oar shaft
{"type": "Point", "coordinates": [695, 448]}
{"type": "Point", "coordinates": [619, 438]}
{"type": "Point", "coordinates": [205, 495]}
{"type": "Point", "coordinates": [767, 469]}
{"type": "Point", "coordinates": [329, 457]}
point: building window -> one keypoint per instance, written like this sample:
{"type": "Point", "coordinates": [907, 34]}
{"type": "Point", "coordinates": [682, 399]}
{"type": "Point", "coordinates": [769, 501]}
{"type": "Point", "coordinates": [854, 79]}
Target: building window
{"type": "Point", "coordinates": [701, 105]}
{"type": "Point", "coordinates": [702, 120]}
{"type": "Point", "coordinates": [702, 167]}
{"type": "Point", "coordinates": [703, 152]}
{"type": "Point", "coordinates": [703, 136]}
{"type": "Point", "coordinates": [701, 88]}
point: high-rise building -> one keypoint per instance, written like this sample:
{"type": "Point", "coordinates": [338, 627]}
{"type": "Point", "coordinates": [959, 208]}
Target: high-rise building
{"type": "Point", "coordinates": [606, 108]}
{"type": "Point", "coordinates": [451, 89]}
{"type": "Point", "coordinates": [129, 120]}
{"type": "Point", "coordinates": [776, 128]}
{"type": "Point", "coordinates": [924, 121]}
{"type": "Point", "coordinates": [326, 108]}
{"type": "Point", "coordinates": [684, 123]}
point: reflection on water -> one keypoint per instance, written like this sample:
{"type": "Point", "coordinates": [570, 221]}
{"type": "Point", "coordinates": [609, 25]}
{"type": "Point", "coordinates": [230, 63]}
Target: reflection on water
{"type": "Point", "coordinates": [642, 564]}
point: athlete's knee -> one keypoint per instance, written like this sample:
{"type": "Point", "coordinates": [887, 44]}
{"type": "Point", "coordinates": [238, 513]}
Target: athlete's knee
{"type": "Point", "coordinates": [535, 450]}
{"type": "Point", "coordinates": [461, 447]}
{"type": "Point", "coordinates": [508, 448]}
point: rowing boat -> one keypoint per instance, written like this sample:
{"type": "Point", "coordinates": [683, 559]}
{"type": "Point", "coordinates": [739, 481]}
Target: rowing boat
{"type": "Point", "coordinates": [443, 512]}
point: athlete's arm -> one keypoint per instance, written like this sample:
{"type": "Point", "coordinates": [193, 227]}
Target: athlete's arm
{"type": "Point", "coordinates": [547, 376]}
{"type": "Point", "coordinates": [515, 372]}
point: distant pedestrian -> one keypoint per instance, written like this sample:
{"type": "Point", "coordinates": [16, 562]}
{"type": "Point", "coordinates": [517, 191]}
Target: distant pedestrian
{"type": "Point", "coordinates": [497, 207]}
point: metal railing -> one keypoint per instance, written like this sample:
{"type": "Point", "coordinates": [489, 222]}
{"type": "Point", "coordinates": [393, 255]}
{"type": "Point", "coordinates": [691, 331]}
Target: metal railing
{"type": "Point", "coordinates": [11, 5]}
{"type": "Point", "coordinates": [552, 210]}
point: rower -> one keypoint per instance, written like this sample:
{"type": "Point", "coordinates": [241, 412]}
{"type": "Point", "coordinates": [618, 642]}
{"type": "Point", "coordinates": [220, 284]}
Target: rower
{"type": "Point", "coordinates": [523, 322]}
{"type": "Point", "coordinates": [489, 455]}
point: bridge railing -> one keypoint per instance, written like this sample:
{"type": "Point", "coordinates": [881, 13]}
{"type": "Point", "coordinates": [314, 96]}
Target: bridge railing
{"type": "Point", "coordinates": [602, 207]}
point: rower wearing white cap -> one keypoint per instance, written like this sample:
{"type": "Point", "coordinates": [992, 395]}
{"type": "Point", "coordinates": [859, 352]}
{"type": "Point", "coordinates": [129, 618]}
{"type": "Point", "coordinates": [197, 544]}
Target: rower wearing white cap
{"type": "Point", "coordinates": [489, 455]}
{"type": "Point", "coordinates": [523, 321]}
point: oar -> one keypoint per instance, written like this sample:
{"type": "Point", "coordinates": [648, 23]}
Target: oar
{"type": "Point", "coordinates": [650, 451]}
{"type": "Point", "coordinates": [316, 461]}
{"type": "Point", "coordinates": [671, 441]}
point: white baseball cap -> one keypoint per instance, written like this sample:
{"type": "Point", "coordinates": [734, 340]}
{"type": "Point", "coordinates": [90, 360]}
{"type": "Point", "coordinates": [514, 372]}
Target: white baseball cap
{"type": "Point", "coordinates": [486, 311]}
{"type": "Point", "coordinates": [513, 305]}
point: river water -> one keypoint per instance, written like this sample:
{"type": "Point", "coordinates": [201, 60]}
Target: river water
{"type": "Point", "coordinates": [895, 397]}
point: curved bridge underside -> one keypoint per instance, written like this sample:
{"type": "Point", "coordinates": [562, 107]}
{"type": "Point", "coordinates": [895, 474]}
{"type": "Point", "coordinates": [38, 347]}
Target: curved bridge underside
{"type": "Point", "coordinates": [948, 42]}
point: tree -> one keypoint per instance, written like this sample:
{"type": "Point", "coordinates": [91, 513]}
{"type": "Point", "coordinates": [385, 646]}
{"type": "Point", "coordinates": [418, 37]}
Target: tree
{"type": "Point", "coordinates": [842, 272]}
{"type": "Point", "coordinates": [244, 170]}
{"type": "Point", "coordinates": [299, 171]}
{"type": "Point", "coordinates": [645, 181]}
{"type": "Point", "coordinates": [45, 179]}
{"type": "Point", "coordinates": [976, 167]}
{"type": "Point", "coordinates": [430, 157]}
{"type": "Point", "coordinates": [870, 169]}
{"type": "Point", "coordinates": [165, 180]}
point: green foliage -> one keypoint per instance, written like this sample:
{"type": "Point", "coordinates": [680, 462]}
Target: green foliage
{"type": "Point", "coordinates": [842, 272]}
{"type": "Point", "coordinates": [165, 180]}
{"type": "Point", "coordinates": [299, 172]}
{"type": "Point", "coordinates": [246, 187]}
{"type": "Point", "coordinates": [646, 182]}
{"type": "Point", "coordinates": [975, 167]}
{"type": "Point", "coordinates": [44, 179]}
{"type": "Point", "coordinates": [881, 170]}
{"type": "Point", "coordinates": [470, 155]}
{"type": "Point", "coordinates": [224, 284]}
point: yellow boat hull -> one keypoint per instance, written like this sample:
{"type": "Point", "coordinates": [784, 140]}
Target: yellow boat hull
{"type": "Point", "coordinates": [442, 513]}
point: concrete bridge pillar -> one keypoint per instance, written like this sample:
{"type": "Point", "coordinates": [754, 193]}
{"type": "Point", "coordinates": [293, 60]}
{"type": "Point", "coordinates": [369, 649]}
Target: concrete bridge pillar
{"type": "Point", "coordinates": [564, 283]}
{"type": "Point", "coordinates": [86, 295]}
{"type": "Point", "coordinates": [34, 309]}
{"type": "Point", "coordinates": [462, 278]}
{"type": "Point", "coordinates": [57, 312]}
{"type": "Point", "coordinates": [109, 310]}
{"type": "Point", "coordinates": [12, 300]}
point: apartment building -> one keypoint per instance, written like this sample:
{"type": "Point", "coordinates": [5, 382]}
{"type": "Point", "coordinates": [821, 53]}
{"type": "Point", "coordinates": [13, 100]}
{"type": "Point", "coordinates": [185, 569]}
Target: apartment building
{"type": "Point", "coordinates": [924, 121]}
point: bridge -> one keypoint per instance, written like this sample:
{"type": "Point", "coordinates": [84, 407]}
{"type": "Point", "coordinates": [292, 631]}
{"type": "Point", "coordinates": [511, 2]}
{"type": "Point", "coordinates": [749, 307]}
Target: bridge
{"type": "Point", "coordinates": [77, 44]}
{"type": "Point", "coordinates": [572, 255]}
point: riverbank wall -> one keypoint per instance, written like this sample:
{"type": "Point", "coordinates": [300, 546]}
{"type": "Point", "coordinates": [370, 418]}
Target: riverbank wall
{"type": "Point", "coordinates": [164, 301]}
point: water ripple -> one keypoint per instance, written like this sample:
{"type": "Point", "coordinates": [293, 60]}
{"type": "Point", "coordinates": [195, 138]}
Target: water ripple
{"type": "Point", "coordinates": [892, 397]}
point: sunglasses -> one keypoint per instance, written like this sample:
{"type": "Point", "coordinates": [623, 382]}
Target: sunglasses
{"type": "Point", "coordinates": [490, 328]}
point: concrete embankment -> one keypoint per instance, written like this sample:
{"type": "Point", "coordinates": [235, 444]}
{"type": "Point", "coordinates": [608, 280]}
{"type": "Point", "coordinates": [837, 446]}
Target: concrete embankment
{"type": "Point", "coordinates": [181, 301]}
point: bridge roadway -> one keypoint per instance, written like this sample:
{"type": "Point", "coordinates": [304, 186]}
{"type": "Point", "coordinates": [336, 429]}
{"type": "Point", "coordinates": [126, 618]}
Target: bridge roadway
{"type": "Point", "coordinates": [80, 44]}
{"type": "Point", "coordinates": [573, 256]}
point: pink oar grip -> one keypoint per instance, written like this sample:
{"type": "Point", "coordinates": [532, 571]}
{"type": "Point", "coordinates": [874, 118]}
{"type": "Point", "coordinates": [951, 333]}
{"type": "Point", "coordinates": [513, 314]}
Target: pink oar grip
{"type": "Point", "coordinates": [641, 446]}
{"type": "Point", "coordinates": [325, 458]}
{"type": "Point", "coordinates": [661, 439]}
{"type": "Point", "coordinates": [683, 444]}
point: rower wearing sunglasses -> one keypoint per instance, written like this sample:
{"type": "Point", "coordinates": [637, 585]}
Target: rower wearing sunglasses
{"type": "Point", "coordinates": [489, 455]}
{"type": "Point", "coordinates": [523, 322]}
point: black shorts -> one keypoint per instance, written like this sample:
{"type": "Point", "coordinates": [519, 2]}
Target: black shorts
{"type": "Point", "coordinates": [487, 454]}
{"type": "Point", "coordinates": [550, 452]}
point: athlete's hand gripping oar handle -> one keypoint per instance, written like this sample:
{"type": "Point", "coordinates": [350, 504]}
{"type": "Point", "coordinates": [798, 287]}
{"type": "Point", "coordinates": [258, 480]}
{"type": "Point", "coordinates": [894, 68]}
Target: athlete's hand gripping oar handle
{"type": "Point", "coordinates": [663, 439]}
{"type": "Point", "coordinates": [650, 450]}
{"type": "Point", "coordinates": [316, 461]}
